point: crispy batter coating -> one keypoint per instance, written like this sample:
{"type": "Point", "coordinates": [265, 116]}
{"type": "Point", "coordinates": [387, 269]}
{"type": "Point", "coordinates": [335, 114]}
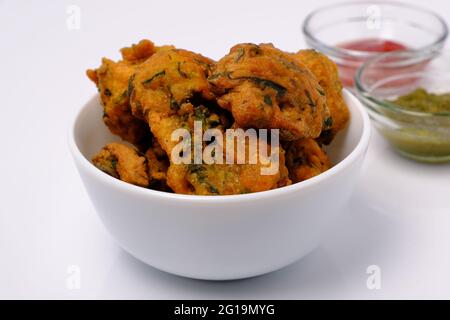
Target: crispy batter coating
{"type": "Point", "coordinates": [158, 164]}
{"type": "Point", "coordinates": [168, 79]}
{"type": "Point", "coordinates": [326, 73]}
{"type": "Point", "coordinates": [154, 90]}
{"type": "Point", "coordinates": [138, 52]}
{"type": "Point", "coordinates": [164, 85]}
{"type": "Point", "coordinates": [264, 87]}
{"type": "Point", "coordinates": [112, 78]}
{"type": "Point", "coordinates": [170, 91]}
{"type": "Point", "coordinates": [215, 179]}
{"type": "Point", "coordinates": [122, 162]}
{"type": "Point", "coordinates": [227, 179]}
{"type": "Point", "coordinates": [305, 159]}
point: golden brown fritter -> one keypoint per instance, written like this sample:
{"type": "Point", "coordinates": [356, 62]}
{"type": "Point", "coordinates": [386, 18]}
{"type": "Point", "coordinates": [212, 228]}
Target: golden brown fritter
{"type": "Point", "coordinates": [326, 73]}
{"type": "Point", "coordinates": [154, 90]}
{"type": "Point", "coordinates": [168, 79]}
{"type": "Point", "coordinates": [158, 164]}
{"type": "Point", "coordinates": [305, 159]}
{"type": "Point", "coordinates": [165, 83]}
{"type": "Point", "coordinates": [122, 162]}
{"type": "Point", "coordinates": [227, 179]}
{"type": "Point", "coordinates": [112, 78]}
{"type": "Point", "coordinates": [215, 179]}
{"type": "Point", "coordinates": [138, 52]}
{"type": "Point", "coordinates": [170, 91]}
{"type": "Point", "coordinates": [264, 87]}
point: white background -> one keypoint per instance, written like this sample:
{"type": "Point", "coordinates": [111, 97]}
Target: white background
{"type": "Point", "coordinates": [398, 218]}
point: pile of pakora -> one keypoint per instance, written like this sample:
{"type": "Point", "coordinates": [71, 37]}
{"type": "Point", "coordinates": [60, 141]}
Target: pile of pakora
{"type": "Point", "coordinates": [155, 90]}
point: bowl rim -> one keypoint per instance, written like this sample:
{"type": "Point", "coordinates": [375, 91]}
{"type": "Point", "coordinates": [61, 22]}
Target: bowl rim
{"type": "Point", "coordinates": [346, 53]}
{"type": "Point", "coordinates": [411, 58]}
{"type": "Point", "coordinates": [359, 149]}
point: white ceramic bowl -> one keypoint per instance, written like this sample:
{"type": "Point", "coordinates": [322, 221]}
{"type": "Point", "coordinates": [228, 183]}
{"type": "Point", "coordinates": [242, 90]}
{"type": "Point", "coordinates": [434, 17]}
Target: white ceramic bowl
{"type": "Point", "coordinates": [219, 237]}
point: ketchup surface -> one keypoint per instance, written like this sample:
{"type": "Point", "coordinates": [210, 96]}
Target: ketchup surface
{"type": "Point", "coordinates": [348, 67]}
{"type": "Point", "coordinates": [373, 45]}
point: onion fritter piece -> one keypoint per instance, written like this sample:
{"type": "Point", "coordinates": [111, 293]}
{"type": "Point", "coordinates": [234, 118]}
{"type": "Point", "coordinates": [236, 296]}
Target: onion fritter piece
{"type": "Point", "coordinates": [326, 72]}
{"type": "Point", "coordinates": [168, 79]}
{"type": "Point", "coordinates": [264, 87]}
{"type": "Point", "coordinates": [122, 162]}
{"type": "Point", "coordinates": [305, 159]}
{"type": "Point", "coordinates": [227, 179]}
{"type": "Point", "coordinates": [170, 91]}
{"type": "Point", "coordinates": [163, 85]}
{"type": "Point", "coordinates": [212, 179]}
{"type": "Point", "coordinates": [158, 164]}
{"type": "Point", "coordinates": [112, 79]}
{"type": "Point", "coordinates": [138, 52]}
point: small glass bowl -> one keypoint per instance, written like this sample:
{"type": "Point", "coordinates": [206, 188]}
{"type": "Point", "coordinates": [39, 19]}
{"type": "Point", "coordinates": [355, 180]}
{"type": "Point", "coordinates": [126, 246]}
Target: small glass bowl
{"type": "Point", "coordinates": [330, 28]}
{"type": "Point", "coordinates": [419, 135]}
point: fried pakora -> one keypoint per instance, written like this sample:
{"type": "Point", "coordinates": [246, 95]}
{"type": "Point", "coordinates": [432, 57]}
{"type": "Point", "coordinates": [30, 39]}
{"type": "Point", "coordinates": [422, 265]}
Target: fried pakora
{"type": "Point", "coordinates": [326, 72]}
{"type": "Point", "coordinates": [170, 91]}
{"type": "Point", "coordinates": [123, 162]}
{"type": "Point", "coordinates": [111, 79]}
{"type": "Point", "coordinates": [305, 159]}
{"type": "Point", "coordinates": [163, 87]}
{"type": "Point", "coordinates": [227, 179]}
{"type": "Point", "coordinates": [155, 91]}
{"type": "Point", "coordinates": [264, 87]}
{"type": "Point", "coordinates": [157, 164]}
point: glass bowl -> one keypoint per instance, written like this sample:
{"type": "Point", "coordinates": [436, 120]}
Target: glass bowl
{"type": "Point", "coordinates": [332, 30]}
{"type": "Point", "coordinates": [419, 135]}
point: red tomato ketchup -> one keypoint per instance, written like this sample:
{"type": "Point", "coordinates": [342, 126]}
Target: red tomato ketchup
{"type": "Point", "coordinates": [349, 66]}
{"type": "Point", "coordinates": [373, 45]}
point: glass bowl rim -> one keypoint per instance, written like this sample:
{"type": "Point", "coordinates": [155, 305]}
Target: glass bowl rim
{"type": "Point", "coordinates": [341, 52]}
{"type": "Point", "coordinates": [413, 57]}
